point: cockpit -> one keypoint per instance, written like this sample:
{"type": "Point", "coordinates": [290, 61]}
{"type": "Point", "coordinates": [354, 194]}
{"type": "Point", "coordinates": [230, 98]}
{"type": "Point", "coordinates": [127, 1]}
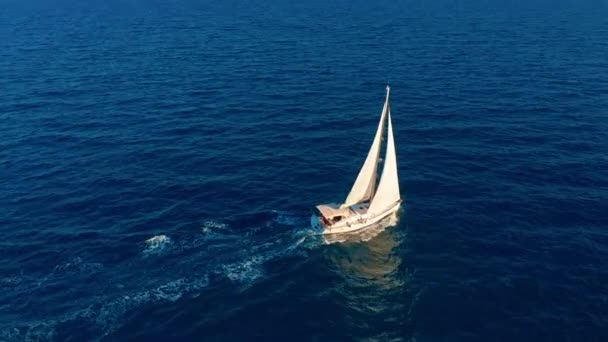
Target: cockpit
{"type": "Point", "coordinates": [330, 214]}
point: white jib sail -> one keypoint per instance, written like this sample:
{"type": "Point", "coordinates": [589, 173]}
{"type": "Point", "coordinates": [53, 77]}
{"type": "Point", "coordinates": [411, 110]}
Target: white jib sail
{"type": "Point", "coordinates": [366, 180]}
{"type": "Point", "coordinates": [388, 188]}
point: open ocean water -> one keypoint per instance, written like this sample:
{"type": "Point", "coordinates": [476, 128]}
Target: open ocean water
{"type": "Point", "coordinates": [159, 159]}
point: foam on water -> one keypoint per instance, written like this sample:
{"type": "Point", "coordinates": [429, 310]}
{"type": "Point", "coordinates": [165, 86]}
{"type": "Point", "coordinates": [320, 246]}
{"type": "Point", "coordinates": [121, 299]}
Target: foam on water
{"type": "Point", "coordinates": [156, 244]}
{"type": "Point", "coordinates": [69, 269]}
{"type": "Point", "coordinates": [108, 314]}
{"type": "Point", "coordinates": [239, 257]}
{"type": "Point", "coordinates": [288, 219]}
{"type": "Point", "coordinates": [213, 226]}
{"type": "Point", "coordinates": [244, 271]}
{"type": "Point", "coordinates": [104, 317]}
{"type": "Point", "coordinates": [260, 245]}
{"type": "Point", "coordinates": [215, 230]}
{"type": "Point", "coordinates": [77, 264]}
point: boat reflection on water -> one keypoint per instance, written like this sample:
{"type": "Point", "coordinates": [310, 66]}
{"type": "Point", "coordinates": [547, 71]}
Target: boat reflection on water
{"type": "Point", "coordinates": [368, 256]}
{"type": "Point", "coordinates": [372, 284]}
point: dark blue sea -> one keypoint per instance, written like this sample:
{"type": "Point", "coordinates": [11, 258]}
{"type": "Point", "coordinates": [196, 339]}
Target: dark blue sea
{"type": "Point", "coordinates": [159, 161]}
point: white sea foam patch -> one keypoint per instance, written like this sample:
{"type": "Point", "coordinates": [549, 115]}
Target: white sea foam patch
{"type": "Point", "coordinates": [244, 271]}
{"type": "Point", "coordinates": [31, 282]}
{"type": "Point", "coordinates": [157, 244]}
{"type": "Point", "coordinates": [251, 267]}
{"type": "Point", "coordinates": [240, 256]}
{"type": "Point", "coordinates": [210, 226]}
{"type": "Point", "coordinates": [105, 316]}
{"type": "Point", "coordinates": [77, 264]}
{"type": "Point", "coordinates": [43, 331]}
{"type": "Point", "coordinates": [11, 281]}
{"type": "Point", "coordinates": [237, 257]}
{"type": "Point", "coordinates": [285, 218]}
{"type": "Point", "coordinates": [214, 229]}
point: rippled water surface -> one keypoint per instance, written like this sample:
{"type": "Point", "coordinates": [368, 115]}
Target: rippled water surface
{"type": "Point", "coordinates": [158, 163]}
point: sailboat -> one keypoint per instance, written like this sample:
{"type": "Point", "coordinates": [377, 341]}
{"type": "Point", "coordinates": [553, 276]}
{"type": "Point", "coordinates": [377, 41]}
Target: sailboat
{"type": "Point", "coordinates": [369, 200]}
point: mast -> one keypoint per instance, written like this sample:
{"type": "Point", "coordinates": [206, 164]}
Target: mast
{"type": "Point", "coordinates": [364, 187]}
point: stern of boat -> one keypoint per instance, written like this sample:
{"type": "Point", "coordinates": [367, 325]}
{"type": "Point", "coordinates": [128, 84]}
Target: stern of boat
{"type": "Point", "coordinates": [315, 223]}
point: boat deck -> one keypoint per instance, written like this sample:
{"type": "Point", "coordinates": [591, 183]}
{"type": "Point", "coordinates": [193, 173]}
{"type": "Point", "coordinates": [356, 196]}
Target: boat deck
{"type": "Point", "coordinates": [360, 208]}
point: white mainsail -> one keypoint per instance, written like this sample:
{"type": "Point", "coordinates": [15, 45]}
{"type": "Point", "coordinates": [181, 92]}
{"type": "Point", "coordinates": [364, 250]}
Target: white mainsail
{"type": "Point", "coordinates": [364, 186]}
{"type": "Point", "coordinates": [388, 188]}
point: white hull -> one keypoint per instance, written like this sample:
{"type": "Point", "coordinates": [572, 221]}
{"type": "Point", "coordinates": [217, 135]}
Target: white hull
{"type": "Point", "coordinates": [351, 224]}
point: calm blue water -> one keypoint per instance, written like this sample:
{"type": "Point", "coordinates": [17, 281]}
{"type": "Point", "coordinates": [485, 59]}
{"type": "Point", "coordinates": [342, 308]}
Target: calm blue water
{"type": "Point", "coordinates": [158, 161]}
